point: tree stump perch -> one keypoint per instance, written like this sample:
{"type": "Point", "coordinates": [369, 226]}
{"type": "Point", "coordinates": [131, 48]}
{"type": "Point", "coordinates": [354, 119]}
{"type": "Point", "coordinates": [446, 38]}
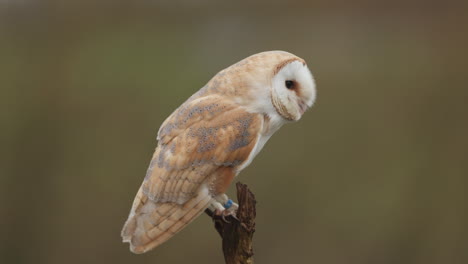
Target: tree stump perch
{"type": "Point", "coordinates": [237, 234]}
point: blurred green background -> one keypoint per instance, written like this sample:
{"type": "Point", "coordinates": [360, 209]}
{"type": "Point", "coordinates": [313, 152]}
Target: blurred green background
{"type": "Point", "coordinates": [375, 172]}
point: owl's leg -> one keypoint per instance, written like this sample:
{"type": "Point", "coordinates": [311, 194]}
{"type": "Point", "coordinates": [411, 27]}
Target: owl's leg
{"type": "Point", "coordinates": [227, 203]}
{"type": "Point", "coordinates": [216, 206]}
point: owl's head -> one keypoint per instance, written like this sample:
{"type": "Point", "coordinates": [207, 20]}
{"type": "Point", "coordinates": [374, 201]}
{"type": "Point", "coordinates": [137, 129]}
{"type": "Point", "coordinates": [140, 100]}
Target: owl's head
{"type": "Point", "coordinates": [275, 83]}
{"type": "Point", "coordinates": [292, 88]}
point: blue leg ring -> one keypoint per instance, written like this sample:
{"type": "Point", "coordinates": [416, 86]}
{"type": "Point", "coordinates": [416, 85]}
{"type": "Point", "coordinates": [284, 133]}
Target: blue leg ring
{"type": "Point", "coordinates": [228, 204]}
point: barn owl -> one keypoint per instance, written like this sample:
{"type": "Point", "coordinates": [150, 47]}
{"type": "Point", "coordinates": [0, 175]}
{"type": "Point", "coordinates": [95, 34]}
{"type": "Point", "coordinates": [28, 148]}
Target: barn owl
{"type": "Point", "coordinates": [211, 138]}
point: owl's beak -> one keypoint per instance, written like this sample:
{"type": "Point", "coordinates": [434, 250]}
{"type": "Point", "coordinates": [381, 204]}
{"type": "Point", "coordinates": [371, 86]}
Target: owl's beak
{"type": "Point", "coordinates": [302, 107]}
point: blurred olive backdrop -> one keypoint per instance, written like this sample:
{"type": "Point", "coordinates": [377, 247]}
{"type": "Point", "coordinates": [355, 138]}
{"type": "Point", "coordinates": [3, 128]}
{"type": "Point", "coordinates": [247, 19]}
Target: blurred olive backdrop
{"type": "Point", "coordinates": [375, 172]}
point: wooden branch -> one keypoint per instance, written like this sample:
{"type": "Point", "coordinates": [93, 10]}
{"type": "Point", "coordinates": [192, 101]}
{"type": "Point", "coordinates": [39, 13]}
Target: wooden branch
{"type": "Point", "coordinates": [237, 233]}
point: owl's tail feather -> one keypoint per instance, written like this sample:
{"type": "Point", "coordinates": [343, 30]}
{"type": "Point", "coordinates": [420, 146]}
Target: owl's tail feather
{"type": "Point", "coordinates": [151, 223]}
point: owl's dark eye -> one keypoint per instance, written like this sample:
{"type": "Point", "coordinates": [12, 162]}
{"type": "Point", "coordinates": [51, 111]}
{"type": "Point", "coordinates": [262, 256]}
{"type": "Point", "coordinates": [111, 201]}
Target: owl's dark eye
{"type": "Point", "coordinates": [289, 84]}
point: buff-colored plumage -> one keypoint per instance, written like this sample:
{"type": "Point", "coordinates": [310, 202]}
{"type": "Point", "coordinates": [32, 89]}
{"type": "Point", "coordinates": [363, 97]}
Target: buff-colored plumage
{"type": "Point", "coordinates": [205, 143]}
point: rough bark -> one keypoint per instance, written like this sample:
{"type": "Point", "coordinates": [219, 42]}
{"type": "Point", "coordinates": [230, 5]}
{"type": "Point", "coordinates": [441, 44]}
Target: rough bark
{"type": "Point", "coordinates": [237, 233]}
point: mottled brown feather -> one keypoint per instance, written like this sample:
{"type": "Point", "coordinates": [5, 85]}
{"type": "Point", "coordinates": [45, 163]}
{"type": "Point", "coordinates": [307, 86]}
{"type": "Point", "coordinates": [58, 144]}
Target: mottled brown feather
{"type": "Point", "coordinates": [202, 136]}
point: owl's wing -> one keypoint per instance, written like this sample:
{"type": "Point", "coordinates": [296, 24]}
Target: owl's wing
{"type": "Point", "coordinates": [200, 137]}
{"type": "Point", "coordinates": [200, 146]}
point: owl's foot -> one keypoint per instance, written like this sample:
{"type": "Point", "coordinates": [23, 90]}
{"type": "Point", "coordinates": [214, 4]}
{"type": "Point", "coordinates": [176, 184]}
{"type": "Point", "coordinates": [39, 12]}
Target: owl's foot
{"type": "Point", "coordinates": [223, 209]}
{"type": "Point", "coordinates": [223, 214]}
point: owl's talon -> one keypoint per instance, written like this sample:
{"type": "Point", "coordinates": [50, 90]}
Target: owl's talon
{"type": "Point", "coordinates": [223, 216]}
{"type": "Point", "coordinates": [235, 217]}
{"type": "Point", "coordinates": [216, 214]}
